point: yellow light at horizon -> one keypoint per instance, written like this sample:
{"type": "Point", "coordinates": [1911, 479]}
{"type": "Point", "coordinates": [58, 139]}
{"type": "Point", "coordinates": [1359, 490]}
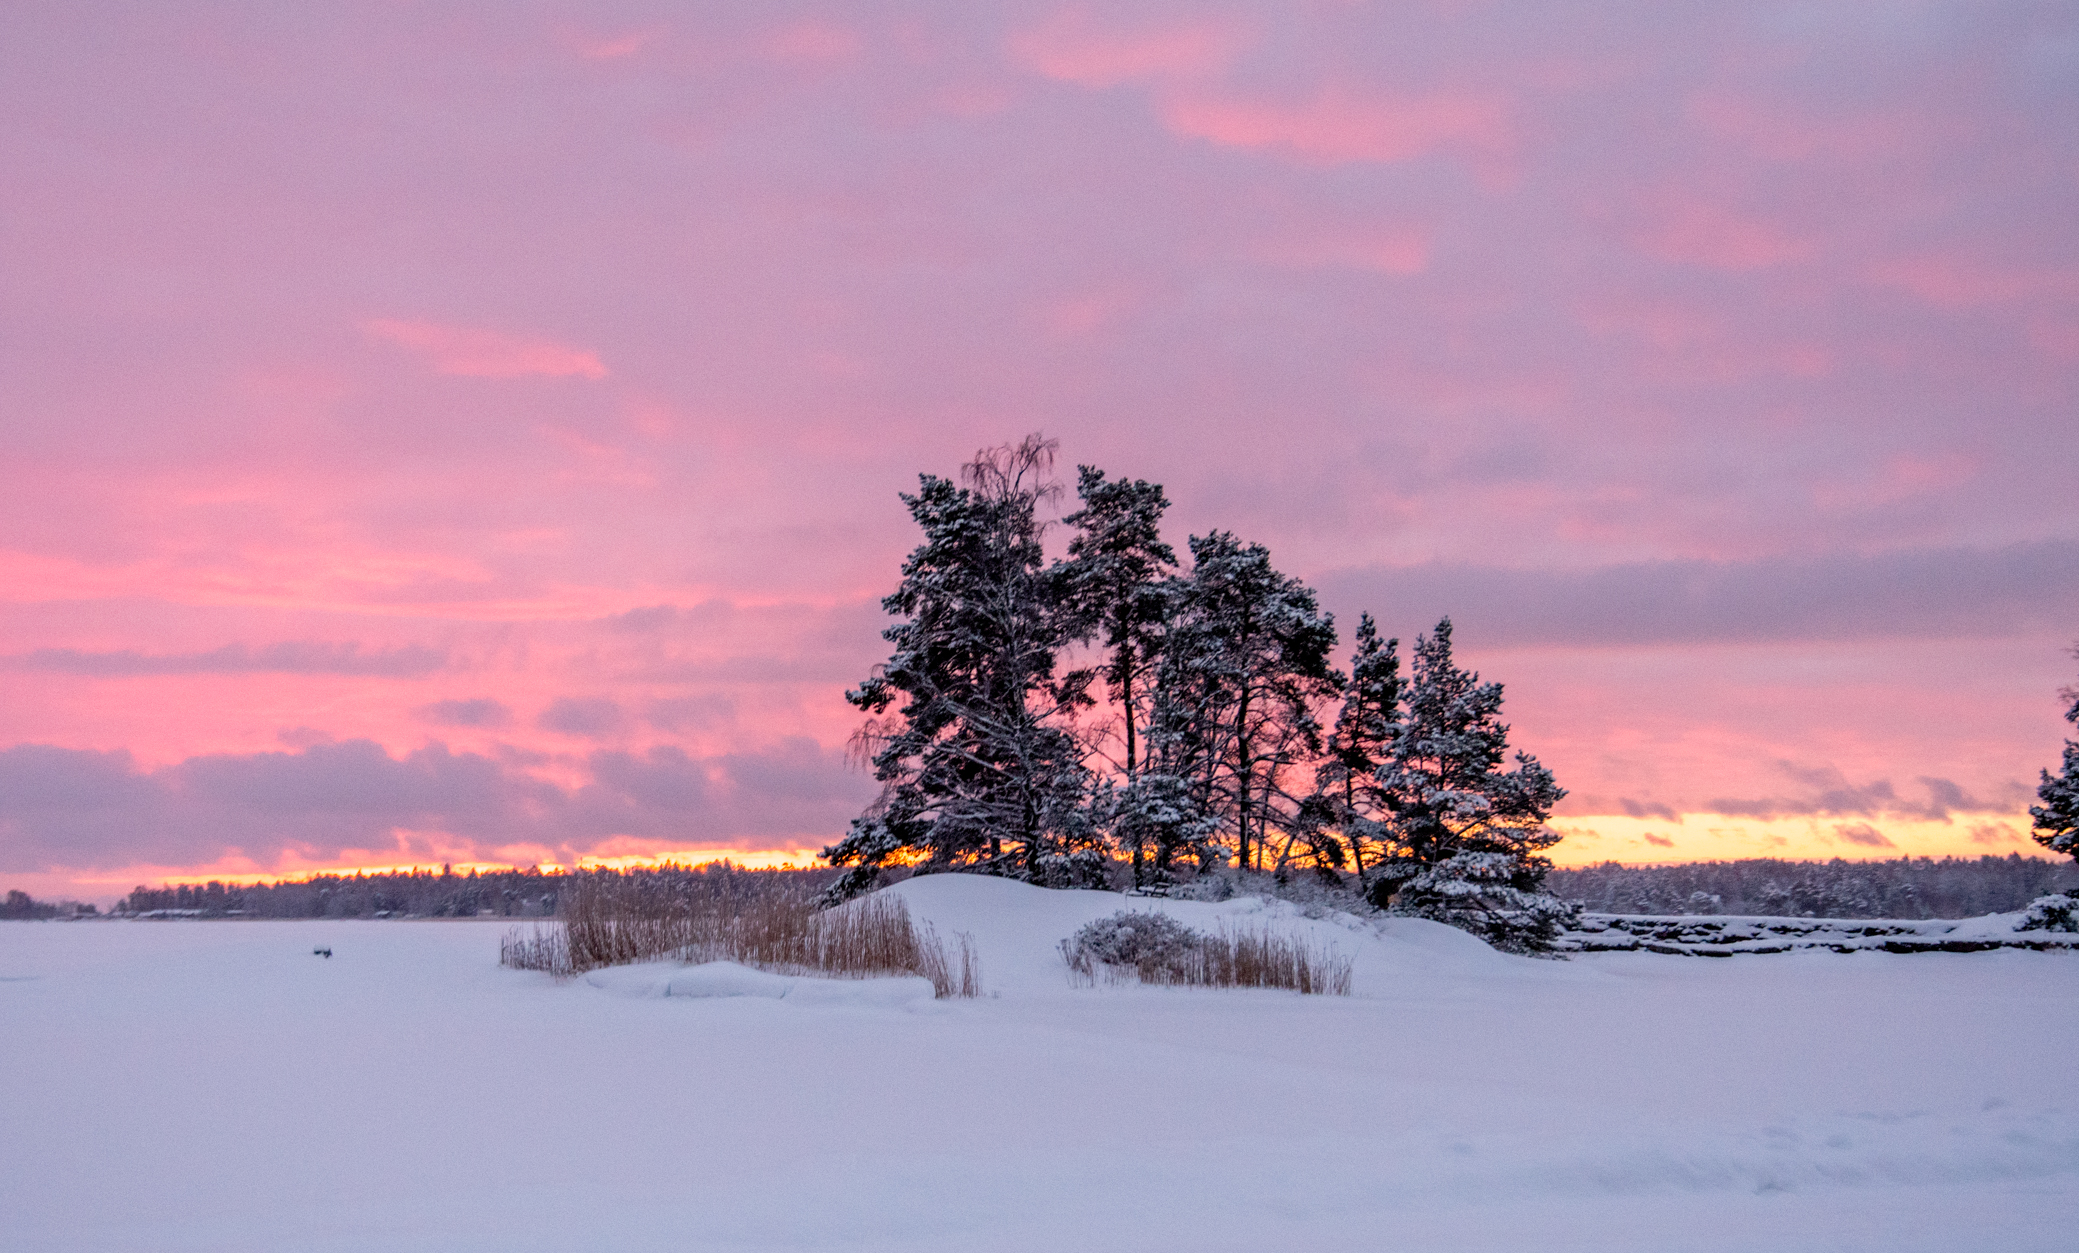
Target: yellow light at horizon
{"type": "Point", "coordinates": [1688, 837]}
{"type": "Point", "coordinates": [751, 859]}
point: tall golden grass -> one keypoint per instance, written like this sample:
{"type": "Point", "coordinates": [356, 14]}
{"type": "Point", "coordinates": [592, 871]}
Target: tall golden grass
{"type": "Point", "coordinates": [1241, 958]}
{"type": "Point", "coordinates": [769, 922]}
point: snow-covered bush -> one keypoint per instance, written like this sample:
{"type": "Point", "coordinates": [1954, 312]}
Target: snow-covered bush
{"type": "Point", "coordinates": [1477, 892]}
{"type": "Point", "coordinates": [1155, 948]}
{"type": "Point", "coordinates": [1083, 868]}
{"type": "Point", "coordinates": [2057, 912]}
{"type": "Point", "coordinates": [1217, 886]}
{"type": "Point", "coordinates": [1133, 939]}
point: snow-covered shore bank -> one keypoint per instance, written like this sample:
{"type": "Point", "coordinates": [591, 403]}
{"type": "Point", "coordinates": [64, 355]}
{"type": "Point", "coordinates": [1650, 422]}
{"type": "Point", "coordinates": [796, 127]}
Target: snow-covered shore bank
{"type": "Point", "coordinates": [1719, 935]}
{"type": "Point", "coordinates": [218, 1087]}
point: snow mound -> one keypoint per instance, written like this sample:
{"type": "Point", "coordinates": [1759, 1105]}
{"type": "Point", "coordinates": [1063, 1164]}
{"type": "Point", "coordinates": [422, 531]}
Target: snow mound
{"type": "Point", "coordinates": [1018, 928]}
{"type": "Point", "coordinates": [720, 980]}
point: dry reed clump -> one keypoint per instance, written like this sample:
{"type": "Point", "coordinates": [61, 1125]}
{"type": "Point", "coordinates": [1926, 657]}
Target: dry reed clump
{"type": "Point", "coordinates": [770, 922]}
{"type": "Point", "coordinates": [957, 973]}
{"type": "Point", "coordinates": [1155, 948]}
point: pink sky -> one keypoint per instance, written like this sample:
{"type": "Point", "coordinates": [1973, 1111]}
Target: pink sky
{"type": "Point", "coordinates": [472, 432]}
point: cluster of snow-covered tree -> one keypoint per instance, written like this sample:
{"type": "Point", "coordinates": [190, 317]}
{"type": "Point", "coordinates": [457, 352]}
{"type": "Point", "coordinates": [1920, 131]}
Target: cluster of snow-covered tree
{"type": "Point", "coordinates": [1115, 713]}
{"type": "Point", "coordinates": [1906, 887]}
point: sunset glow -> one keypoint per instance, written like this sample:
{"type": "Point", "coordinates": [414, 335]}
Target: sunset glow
{"type": "Point", "coordinates": [472, 435]}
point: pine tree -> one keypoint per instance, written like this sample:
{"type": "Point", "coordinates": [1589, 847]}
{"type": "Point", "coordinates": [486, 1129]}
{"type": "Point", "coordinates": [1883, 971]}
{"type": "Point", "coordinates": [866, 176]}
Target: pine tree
{"type": "Point", "coordinates": [1170, 802]}
{"type": "Point", "coordinates": [1468, 836]}
{"type": "Point", "coordinates": [2056, 827]}
{"type": "Point", "coordinates": [978, 771]}
{"type": "Point", "coordinates": [1244, 665]}
{"type": "Point", "coordinates": [1114, 582]}
{"type": "Point", "coordinates": [1347, 796]}
{"type": "Point", "coordinates": [2057, 818]}
{"type": "Point", "coordinates": [1115, 590]}
{"type": "Point", "coordinates": [1162, 818]}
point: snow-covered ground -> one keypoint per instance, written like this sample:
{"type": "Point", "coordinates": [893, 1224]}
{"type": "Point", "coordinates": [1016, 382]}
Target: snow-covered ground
{"type": "Point", "coordinates": [175, 1086]}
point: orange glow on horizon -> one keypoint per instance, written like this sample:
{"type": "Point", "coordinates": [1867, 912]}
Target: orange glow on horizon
{"type": "Point", "coordinates": [1588, 840]}
{"type": "Point", "coordinates": [750, 859]}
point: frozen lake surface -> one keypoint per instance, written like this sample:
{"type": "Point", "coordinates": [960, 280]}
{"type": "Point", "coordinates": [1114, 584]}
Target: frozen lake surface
{"type": "Point", "coordinates": [180, 1086]}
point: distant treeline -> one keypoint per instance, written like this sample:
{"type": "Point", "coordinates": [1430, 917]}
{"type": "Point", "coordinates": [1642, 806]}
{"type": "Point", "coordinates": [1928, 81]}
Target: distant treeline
{"type": "Point", "coordinates": [22, 906]}
{"type": "Point", "coordinates": [1911, 887]}
{"type": "Point", "coordinates": [530, 893]}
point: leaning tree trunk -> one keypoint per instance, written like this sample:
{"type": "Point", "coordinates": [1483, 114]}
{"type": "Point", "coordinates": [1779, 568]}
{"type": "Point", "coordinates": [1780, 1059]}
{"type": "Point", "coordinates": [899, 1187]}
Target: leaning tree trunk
{"type": "Point", "coordinates": [1242, 771]}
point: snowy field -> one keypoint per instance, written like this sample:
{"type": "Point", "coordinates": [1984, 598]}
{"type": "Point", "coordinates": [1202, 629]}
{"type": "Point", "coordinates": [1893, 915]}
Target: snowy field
{"type": "Point", "coordinates": [177, 1086]}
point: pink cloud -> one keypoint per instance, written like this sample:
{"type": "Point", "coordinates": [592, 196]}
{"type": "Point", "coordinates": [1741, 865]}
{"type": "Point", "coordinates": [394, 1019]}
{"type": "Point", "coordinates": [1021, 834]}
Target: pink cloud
{"type": "Point", "coordinates": [811, 42]}
{"type": "Point", "coordinates": [1902, 477]}
{"type": "Point", "coordinates": [1340, 125]}
{"type": "Point", "coordinates": [1402, 249]}
{"type": "Point", "coordinates": [1687, 340]}
{"type": "Point", "coordinates": [1072, 47]}
{"type": "Point", "coordinates": [1955, 281]}
{"type": "Point", "coordinates": [2057, 338]}
{"type": "Point", "coordinates": [477, 353]}
{"type": "Point", "coordinates": [1692, 231]}
{"type": "Point", "coordinates": [1776, 132]}
{"type": "Point", "coordinates": [615, 47]}
{"type": "Point", "coordinates": [1088, 313]}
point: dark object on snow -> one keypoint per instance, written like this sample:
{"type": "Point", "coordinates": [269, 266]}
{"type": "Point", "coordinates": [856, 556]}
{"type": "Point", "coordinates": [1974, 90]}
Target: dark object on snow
{"type": "Point", "coordinates": [321, 952]}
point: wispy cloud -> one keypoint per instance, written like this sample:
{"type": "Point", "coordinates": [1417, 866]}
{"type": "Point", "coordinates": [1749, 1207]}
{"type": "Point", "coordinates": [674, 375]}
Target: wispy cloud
{"type": "Point", "coordinates": [478, 353]}
{"type": "Point", "coordinates": [614, 47]}
{"type": "Point", "coordinates": [1925, 593]}
{"type": "Point", "coordinates": [1340, 125]}
{"type": "Point", "coordinates": [1825, 792]}
{"type": "Point", "coordinates": [287, 657]}
{"type": "Point", "coordinates": [1075, 47]}
{"type": "Point", "coordinates": [1648, 809]}
{"type": "Point", "coordinates": [593, 717]}
{"type": "Point", "coordinates": [1862, 833]}
{"type": "Point", "coordinates": [480, 711]}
